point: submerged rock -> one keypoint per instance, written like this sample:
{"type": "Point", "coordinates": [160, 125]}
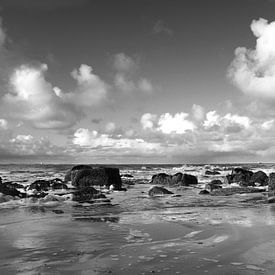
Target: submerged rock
{"type": "Point", "coordinates": [214, 184]}
{"type": "Point", "coordinates": [87, 194]}
{"type": "Point", "coordinates": [157, 190]}
{"type": "Point", "coordinates": [204, 192]}
{"type": "Point", "coordinates": [209, 172]}
{"type": "Point", "coordinates": [235, 190]}
{"type": "Point", "coordinates": [40, 185]}
{"type": "Point", "coordinates": [10, 190]}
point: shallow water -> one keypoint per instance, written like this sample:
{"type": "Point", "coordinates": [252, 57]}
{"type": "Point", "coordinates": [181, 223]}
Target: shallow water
{"type": "Point", "coordinates": [133, 233]}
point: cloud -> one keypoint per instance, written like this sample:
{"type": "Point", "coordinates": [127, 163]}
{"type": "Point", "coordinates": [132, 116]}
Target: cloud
{"type": "Point", "coordinates": [159, 27]}
{"type": "Point", "coordinates": [3, 124]}
{"type": "Point", "coordinates": [253, 70]}
{"type": "Point", "coordinates": [93, 140]}
{"type": "Point", "coordinates": [90, 91]}
{"type": "Point", "coordinates": [126, 77]}
{"type": "Point", "coordinates": [32, 98]}
{"type": "Point", "coordinates": [177, 124]}
{"type": "Point", "coordinates": [147, 120]}
{"type": "Point", "coordinates": [2, 34]}
{"type": "Point", "coordinates": [198, 112]}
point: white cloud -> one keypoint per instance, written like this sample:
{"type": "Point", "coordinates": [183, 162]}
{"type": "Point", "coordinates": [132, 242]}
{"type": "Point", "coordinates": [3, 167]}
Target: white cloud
{"type": "Point", "coordinates": [110, 127]}
{"type": "Point", "coordinates": [126, 78]}
{"type": "Point", "coordinates": [147, 121]}
{"type": "Point", "coordinates": [91, 89]}
{"type": "Point", "coordinates": [93, 140]}
{"type": "Point", "coordinates": [212, 120]}
{"type": "Point", "coordinates": [253, 71]}
{"type": "Point", "coordinates": [177, 124]}
{"type": "Point", "coordinates": [198, 112]}
{"type": "Point", "coordinates": [3, 124]}
{"type": "Point", "coordinates": [160, 27]}
{"type": "Point", "coordinates": [2, 34]}
{"type": "Point", "coordinates": [267, 125]}
{"type": "Point", "coordinates": [32, 98]}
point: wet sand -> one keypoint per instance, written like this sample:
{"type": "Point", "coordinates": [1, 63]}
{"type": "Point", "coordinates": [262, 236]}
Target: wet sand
{"type": "Point", "coordinates": [136, 234]}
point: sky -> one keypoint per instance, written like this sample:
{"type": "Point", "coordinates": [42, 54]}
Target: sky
{"type": "Point", "coordinates": [137, 81]}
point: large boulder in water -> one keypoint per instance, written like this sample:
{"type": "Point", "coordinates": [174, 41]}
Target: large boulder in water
{"type": "Point", "coordinates": [157, 190]}
{"type": "Point", "coordinates": [259, 177]}
{"type": "Point", "coordinates": [184, 179]}
{"type": "Point", "coordinates": [239, 175]}
{"type": "Point", "coordinates": [161, 179]}
{"type": "Point", "coordinates": [71, 173]}
{"type": "Point", "coordinates": [213, 185]}
{"type": "Point", "coordinates": [271, 186]}
{"type": "Point", "coordinates": [95, 176]}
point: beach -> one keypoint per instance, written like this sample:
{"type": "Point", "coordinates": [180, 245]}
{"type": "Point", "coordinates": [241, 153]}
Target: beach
{"type": "Point", "coordinates": [183, 233]}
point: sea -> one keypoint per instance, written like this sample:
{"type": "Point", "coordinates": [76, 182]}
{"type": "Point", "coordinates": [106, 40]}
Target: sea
{"type": "Point", "coordinates": [133, 233]}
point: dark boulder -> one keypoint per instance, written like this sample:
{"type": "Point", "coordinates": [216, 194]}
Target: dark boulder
{"type": "Point", "coordinates": [239, 175]}
{"type": "Point", "coordinates": [40, 185]}
{"type": "Point", "coordinates": [0, 180]}
{"type": "Point", "coordinates": [213, 185]}
{"type": "Point", "coordinates": [97, 176]}
{"type": "Point", "coordinates": [14, 185]}
{"type": "Point", "coordinates": [157, 190]}
{"type": "Point", "coordinates": [209, 172]}
{"type": "Point", "coordinates": [86, 194]}
{"type": "Point", "coordinates": [161, 178]}
{"type": "Point", "coordinates": [10, 190]}
{"type": "Point", "coordinates": [204, 192]}
{"type": "Point", "coordinates": [71, 173]}
{"type": "Point", "coordinates": [184, 179]}
{"type": "Point", "coordinates": [259, 177]}
{"type": "Point", "coordinates": [271, 185]}
{"type": "Point", "coordinates": [59, 185]}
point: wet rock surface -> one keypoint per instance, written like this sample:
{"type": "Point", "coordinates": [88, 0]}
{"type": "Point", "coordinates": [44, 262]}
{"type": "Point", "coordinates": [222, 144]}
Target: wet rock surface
{"type": "Point", "coordinates": [157, 190]}
{"type": "Point", "coordinates": [178, 179]}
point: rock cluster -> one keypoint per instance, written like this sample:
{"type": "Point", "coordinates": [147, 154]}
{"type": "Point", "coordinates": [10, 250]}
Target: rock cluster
{"type": "Point", "coordinates": [179, 179]}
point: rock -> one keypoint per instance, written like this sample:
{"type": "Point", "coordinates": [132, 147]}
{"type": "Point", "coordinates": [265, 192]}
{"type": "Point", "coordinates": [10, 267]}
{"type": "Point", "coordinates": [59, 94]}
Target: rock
{"type": "Point", "coordinates": [161, 178]}
{"type": "Point", "coordinates": [184, 179]}
{"type": "Point", "coordinates": [87, 194]}
{"type": "Point", "coordinates": [14, 185]}
{"type": "Point", "coordinates": [239, 175]}
{"type": "Point", "coordinates": [235, 190]}
{"type": "Point", "coordinates": [71, 173]}
{"type": "Point", "coordinates": [10, 190]}
{"type": "Point", "coordinates": [271, 185]}
{"type": "Point", "coordinates": [157, 190]}
{"type": "Point", "coordinates": [97, 176]}
{"type": "Point", "coordinates": [214, 184]}
{"type": "Point", "coordinates": [0, 180]}
{"type": "Point", "coordinates": [259, 177]}
{"type": "Point", "coordinates": [59, 185]}
{"type": "Point", "coordinates": [204, 192]}
{"type": "Point", "coordinates": [85, 175]}
{"type": "Point", "coordinates": [209, 172]}
{"type": "Point", "coordinates": [40, 185]}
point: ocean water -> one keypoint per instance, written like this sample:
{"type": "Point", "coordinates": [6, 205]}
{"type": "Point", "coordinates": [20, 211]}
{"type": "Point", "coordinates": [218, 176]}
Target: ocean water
{"type": "Point", "coordinates": [185, 233]}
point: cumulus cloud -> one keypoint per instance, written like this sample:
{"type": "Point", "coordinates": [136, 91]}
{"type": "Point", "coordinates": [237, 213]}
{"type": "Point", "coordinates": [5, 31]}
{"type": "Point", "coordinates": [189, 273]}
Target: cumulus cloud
{"type": "Point", "coordinates": [198, 112]}
{"type": "Point", "coordinates": [147, 120]}
{"type": "Point", "coordinates": [94, 140]}
{"type": "Point", "coordinates": [90, 90]}
{"type": "Point", "coordinates": [253, 70]}
{"type": "Point", "coordinates": [160, 27]}
{"type": "Point", "coordinates": [3, 124]}
{"type": "Point", "coordinates": [229, 121]}
{"type": "Point", "coordinates": [32, 98]}
{"type": "Point", "coordinates": [126, 78]}
{"type": "Point", "coordinates": [177, 124]}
